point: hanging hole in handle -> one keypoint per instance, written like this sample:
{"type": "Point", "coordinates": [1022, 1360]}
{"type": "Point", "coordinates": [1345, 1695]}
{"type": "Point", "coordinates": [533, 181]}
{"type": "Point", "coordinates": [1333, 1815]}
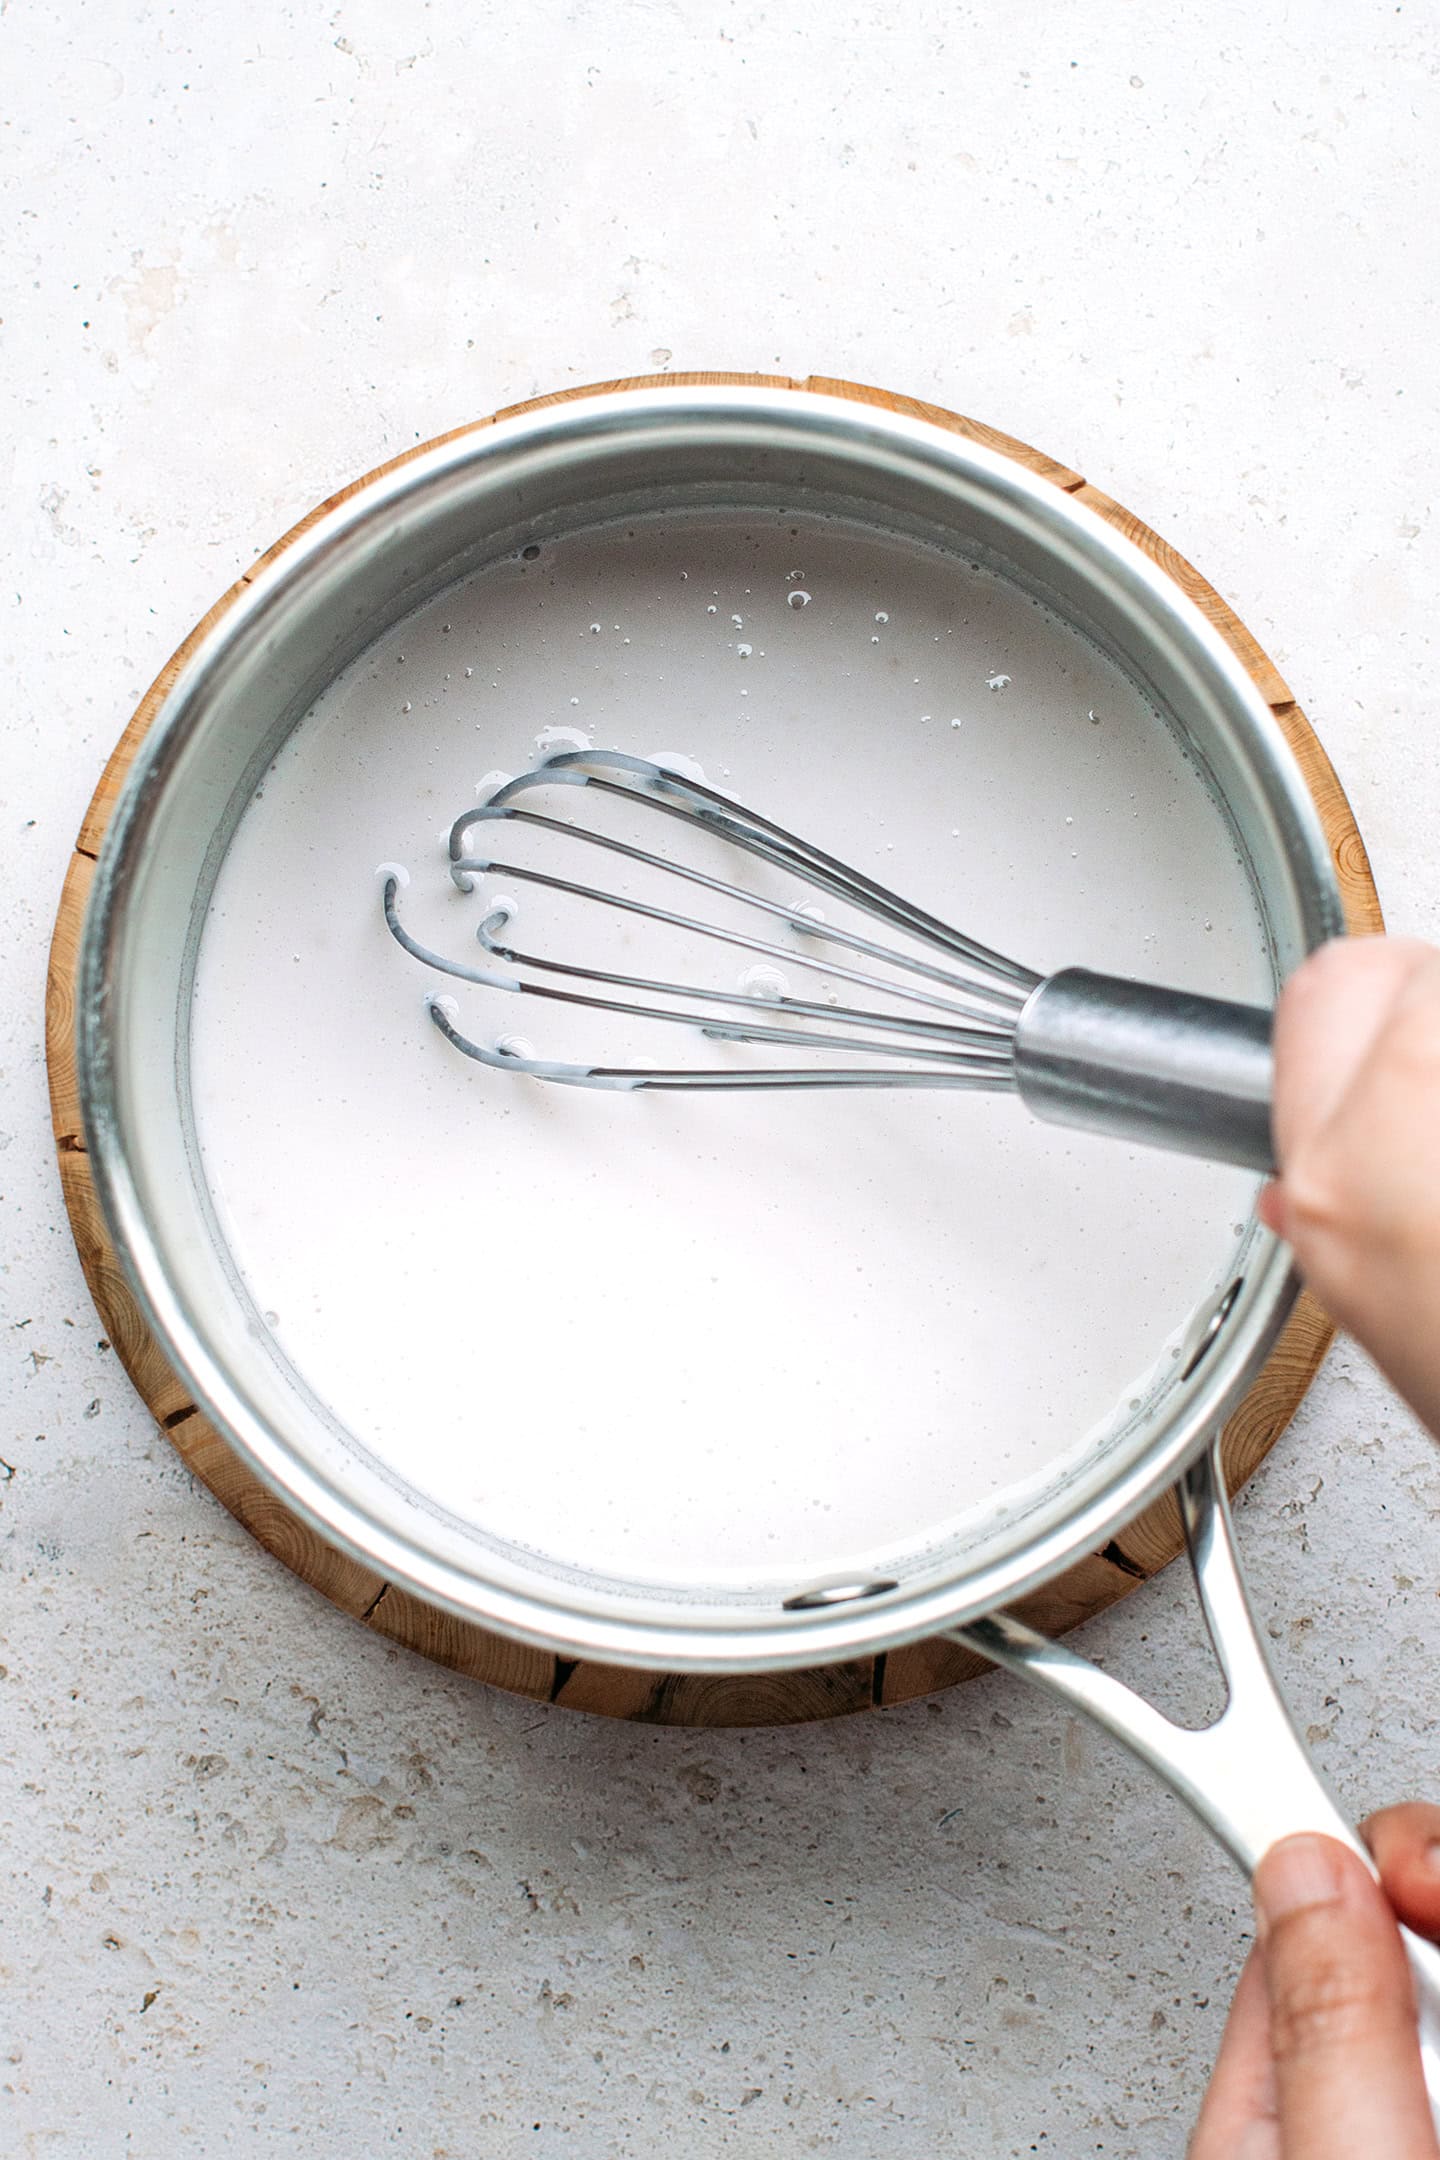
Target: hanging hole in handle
{"type": "Point", "coordinates": [1210, 1333]}
{"type": "Point", "coordinates": [837, 1593]}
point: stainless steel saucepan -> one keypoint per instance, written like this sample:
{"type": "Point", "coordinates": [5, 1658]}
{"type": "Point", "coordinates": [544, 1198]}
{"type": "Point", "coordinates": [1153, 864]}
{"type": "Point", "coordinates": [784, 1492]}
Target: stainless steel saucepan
{"type": "Point", "coordinates": [406, 536]}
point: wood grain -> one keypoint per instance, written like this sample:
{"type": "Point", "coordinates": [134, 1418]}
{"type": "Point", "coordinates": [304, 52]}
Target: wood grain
{"type": "Point", "coordinates": [1145, 1546]}
{"type": "Point", "coordinates": [1063, 476]}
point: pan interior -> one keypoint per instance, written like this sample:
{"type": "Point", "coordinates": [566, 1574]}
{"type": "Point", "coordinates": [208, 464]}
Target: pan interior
{"type": "Point", "coordinates": [701, 1352]}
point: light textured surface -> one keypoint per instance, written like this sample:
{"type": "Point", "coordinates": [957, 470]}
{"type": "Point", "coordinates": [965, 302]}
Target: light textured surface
{"type": "Point", "coordinates": [272, 1886]}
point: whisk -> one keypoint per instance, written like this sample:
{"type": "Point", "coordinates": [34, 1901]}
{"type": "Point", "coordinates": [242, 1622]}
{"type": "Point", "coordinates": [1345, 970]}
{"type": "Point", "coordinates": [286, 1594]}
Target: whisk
{"type": "Point", "coordinates": [926, 1006]}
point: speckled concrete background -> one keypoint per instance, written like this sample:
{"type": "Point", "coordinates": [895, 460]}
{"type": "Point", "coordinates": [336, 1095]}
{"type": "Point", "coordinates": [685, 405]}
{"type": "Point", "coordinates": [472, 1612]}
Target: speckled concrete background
{"type": "Point", "coordinates": [271, 1886]}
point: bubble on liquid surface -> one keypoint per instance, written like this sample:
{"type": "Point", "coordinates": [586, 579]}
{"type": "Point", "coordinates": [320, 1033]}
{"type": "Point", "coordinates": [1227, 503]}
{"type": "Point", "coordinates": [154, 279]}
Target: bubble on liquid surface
{"type": "Point", "coordinates": [712, 610]}
{"type": "Point", "coordinates": [272, 1319]}
{"type": "Point", "coordinates": [738, 621]}
{"type": "Point", "coordinates": [810, 912]}
{"type": "Point", "coordinates": [744, 651]}
{"type": "Point", "coordinates": [763, 981]}
{"type": "Point", "coordinates": [489, 784]}
{"type": "Point", "coordinates": [562, 738]}
{"type": "Point", "coordinates": [996, 681]}
{"type": "Point", "coordinates": [957, 722]}
{"type": "Point", "coordinates": [386, 870]}
{"type": "Point", "coordinates": [1093, 717]}
{"type": "Point", "coordinates": [797, 599]}
{"type": "Point", "coordinates": [594, 629]}
{"type": "Point", "coordinates": [514, 1046]}
{"type": "Point", "coordinates": [675, 761]}
{"type": "Point", "coordinates": [881, 616]}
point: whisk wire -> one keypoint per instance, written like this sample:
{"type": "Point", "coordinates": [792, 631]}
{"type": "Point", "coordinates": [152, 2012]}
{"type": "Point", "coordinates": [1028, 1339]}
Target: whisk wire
{"type": "Point", "coordinates": [984, 1046]}
{"type": "Point", "coordinates": [677, 795]}
{"type": "Point", "coordinates": [979, 994]}
{"type": "Point", "coordinates": [747, 943]}
{"type": "Point", "coordinates": [469, 866]}
{"type": "Point", "coordinates": [628, 1079]}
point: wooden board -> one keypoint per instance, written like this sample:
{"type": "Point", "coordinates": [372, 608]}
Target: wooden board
{"type": "Point", "coordinates": [768, 1699]}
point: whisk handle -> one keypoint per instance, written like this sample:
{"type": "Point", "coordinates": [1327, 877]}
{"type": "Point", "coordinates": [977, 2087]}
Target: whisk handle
{"type": "Point", "coordinates": [1163, 1068]}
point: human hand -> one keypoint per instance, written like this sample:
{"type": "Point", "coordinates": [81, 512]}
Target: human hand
{"type": "Point", "coordinates": [1357, 1129]}
{"type": "Point", "coordinates": [1319, 2060]}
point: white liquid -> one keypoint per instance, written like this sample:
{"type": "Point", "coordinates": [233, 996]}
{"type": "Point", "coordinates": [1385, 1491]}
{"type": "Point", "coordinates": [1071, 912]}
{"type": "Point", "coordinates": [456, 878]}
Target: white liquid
{"type": "Point", "coordinates": [710, 1338]}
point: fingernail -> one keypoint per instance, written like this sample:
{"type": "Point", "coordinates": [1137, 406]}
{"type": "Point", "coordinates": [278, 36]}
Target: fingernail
{"type": "Point", "coordinates": [1297, 1873]}
{"type": "Point", "coordinates": [1432, 1855]}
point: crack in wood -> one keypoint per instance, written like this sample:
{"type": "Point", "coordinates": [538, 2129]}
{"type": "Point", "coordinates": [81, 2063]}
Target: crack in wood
{"type": "Point", "coordinates": [565, 1670]}
{"type": "Point", "coordinates": [1118, 1557]}
{"type": "Point", "coordinates": [381, 1593]}
{"type": "Point", "coordinates": [178, 1417]}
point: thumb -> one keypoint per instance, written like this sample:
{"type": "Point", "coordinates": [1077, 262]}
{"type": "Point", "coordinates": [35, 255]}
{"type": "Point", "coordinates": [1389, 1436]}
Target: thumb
{"type": "Point", "coordinates": [1342, 2013]}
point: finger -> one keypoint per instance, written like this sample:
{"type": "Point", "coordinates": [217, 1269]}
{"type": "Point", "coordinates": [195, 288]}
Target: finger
{"type": "Point", "coordinates": [1361, 1196]}
{"type": "Point", "coordinates": [1238, 2120]}
{"type": "Point", "coordinates": [1342, 2014]}
{"type": "Point", "coordinates": [1270, 1207]}
{"type": "Point", "coordinates": [1392, 1099]}
{"type": "Point", "coordinates": [1406, 1843]}
{"type": "Point", "coordinates": [1328, 1016]}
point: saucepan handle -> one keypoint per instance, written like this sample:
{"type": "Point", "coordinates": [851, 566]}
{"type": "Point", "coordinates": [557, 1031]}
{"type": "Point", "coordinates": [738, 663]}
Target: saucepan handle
{"type": "Point", "coordinates": [1248, 1776]}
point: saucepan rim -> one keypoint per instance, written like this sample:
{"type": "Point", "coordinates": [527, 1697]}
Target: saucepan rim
{"type": "Point", "coordinates": [570, 1618]}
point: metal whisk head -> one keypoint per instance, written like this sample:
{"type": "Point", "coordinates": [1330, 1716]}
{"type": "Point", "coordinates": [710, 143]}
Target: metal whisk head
{"type": "Point", "coordinates": [897, 998]}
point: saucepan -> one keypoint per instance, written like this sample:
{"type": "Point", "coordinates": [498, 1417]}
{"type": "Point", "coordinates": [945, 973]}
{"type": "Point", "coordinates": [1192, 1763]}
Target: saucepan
{"type": "Point", "coordinates": [412, 533]}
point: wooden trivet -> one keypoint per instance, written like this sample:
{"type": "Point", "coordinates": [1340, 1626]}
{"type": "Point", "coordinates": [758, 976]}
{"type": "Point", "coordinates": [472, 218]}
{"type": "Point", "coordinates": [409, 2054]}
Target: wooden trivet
{"type": "Point", "coordinates": [1146, 1546]}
